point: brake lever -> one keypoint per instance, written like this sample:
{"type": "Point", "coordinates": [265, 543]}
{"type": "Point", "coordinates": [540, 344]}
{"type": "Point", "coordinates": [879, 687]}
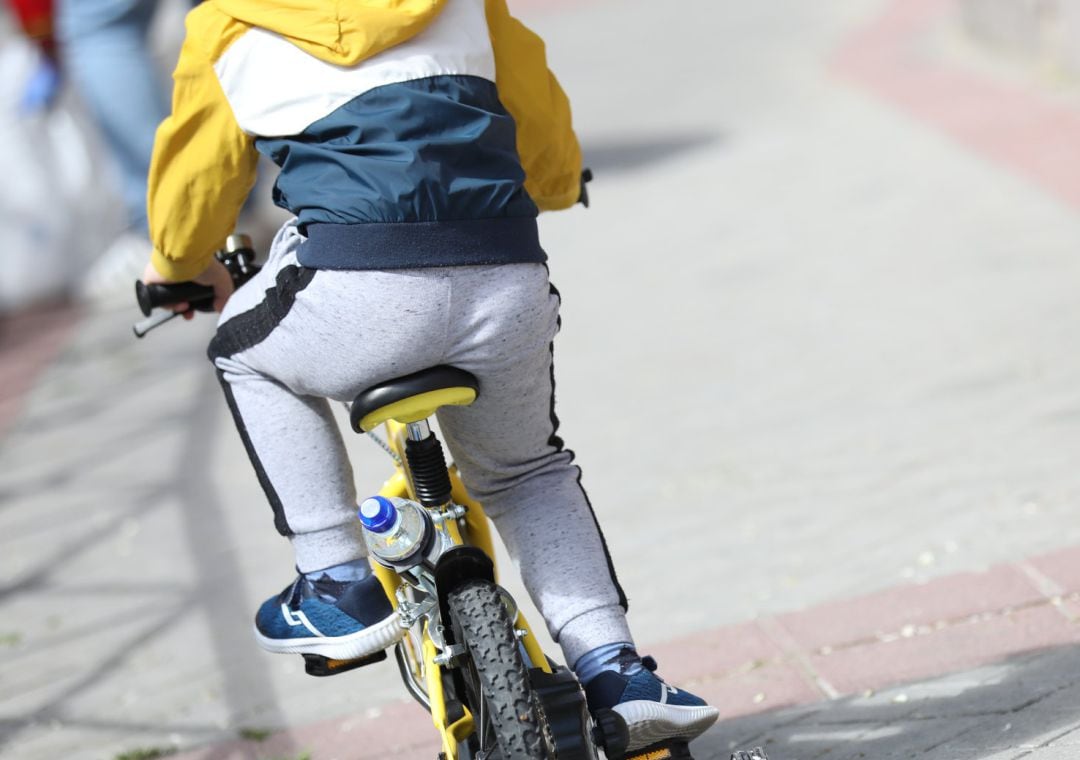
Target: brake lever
{"type": "Point", "coordinates": [157, 319]}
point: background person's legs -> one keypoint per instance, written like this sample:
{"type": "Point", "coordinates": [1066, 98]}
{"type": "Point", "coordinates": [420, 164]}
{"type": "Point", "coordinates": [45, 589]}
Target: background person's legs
{"type": "Point", "coordinates": [107, 55]}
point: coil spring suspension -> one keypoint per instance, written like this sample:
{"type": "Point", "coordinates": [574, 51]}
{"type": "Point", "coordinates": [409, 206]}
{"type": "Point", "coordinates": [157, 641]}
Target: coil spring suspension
{"type": "Point", "coordinates": [427, 463]}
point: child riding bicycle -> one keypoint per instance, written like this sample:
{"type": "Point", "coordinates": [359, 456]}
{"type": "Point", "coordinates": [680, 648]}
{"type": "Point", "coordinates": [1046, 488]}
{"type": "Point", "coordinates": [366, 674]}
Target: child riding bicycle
{"type": "Point", "coordinates": [417, 141]}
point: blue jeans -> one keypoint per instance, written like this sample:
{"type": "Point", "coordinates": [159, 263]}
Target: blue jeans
{"type": "Point", "coordinates": [108, 59]}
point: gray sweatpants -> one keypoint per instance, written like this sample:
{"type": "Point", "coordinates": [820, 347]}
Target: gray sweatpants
{"type": "Point", "coordinates": [294, 337]}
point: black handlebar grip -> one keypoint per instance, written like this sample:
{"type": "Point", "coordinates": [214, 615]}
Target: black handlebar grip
{"type": "Point", "coordinates": [201, 297]}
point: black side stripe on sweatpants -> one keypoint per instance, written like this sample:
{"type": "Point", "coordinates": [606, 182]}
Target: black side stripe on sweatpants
{"type": "Point", "coordinates": [244, 331]}
{"type": "Point", "coordinates": [559, 445]}
{"type": "Point", "coordinates": [268, 488]}
{"type": "Point", "coordinates": [253, 326]}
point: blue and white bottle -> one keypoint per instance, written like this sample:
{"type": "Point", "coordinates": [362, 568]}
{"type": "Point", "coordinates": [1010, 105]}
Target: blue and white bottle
{"type": "Point", "coordinates": [395, 530]}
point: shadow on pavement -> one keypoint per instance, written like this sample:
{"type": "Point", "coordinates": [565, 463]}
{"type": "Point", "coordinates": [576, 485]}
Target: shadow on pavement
{"type": "Point", "coordinates": [629, 154]}
{"type": "Point", "coordinates": [82, 511]}
{"type": "Point", "coordinates": [1006, 710]}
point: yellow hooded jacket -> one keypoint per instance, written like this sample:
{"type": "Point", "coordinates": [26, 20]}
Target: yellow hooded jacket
{"type": "Point", "coordinates": [408, 132]}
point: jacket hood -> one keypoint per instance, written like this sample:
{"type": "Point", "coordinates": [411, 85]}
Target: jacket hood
{"type": "Point", "coordinates": [342, 32]}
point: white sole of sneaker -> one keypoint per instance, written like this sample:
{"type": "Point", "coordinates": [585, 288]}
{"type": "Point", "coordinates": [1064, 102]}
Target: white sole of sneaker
{"type": "Point", "coordinates": [651, 722]}
{"type": "Point", "coordinates": [360, 644]}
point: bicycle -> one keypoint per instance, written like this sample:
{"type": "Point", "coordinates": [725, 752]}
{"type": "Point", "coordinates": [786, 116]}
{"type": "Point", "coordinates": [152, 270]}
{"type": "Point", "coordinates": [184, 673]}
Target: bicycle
{"type": "Point", "coordinates": [469, 656]}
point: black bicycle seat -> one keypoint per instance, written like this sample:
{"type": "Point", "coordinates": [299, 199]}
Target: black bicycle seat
{"type": "Point", "coordinates": [413, 397]}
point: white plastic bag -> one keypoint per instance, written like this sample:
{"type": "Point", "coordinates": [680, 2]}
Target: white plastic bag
{"type": "Point", "coordinates": [57, 210]}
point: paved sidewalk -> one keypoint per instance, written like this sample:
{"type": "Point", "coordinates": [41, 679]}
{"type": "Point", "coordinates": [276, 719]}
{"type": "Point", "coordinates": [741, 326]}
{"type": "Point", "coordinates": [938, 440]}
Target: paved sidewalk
{"type": "Point", "coordinates": [833, 254]}
{"type": "Point", "coordinates": [978, 665]}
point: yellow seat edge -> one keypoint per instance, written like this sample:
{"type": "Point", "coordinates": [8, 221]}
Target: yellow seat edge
{"type": "Point", "coordinates": [418, 407]}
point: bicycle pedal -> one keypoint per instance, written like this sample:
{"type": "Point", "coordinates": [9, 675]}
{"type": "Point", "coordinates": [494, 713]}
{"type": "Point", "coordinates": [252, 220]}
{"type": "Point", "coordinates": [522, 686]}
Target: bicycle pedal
{"type": "Point", "coordinates": [666, 750]}
{"type": "Point", "coordinates": [757, 753]}
{"type": "Point", "coordinates": [318, 665]}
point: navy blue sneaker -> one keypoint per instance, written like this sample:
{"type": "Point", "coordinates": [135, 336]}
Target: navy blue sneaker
{"type": "Point", "coordinates": [653, 711]}
{"type": "Point", "coordinates": [339, 620]}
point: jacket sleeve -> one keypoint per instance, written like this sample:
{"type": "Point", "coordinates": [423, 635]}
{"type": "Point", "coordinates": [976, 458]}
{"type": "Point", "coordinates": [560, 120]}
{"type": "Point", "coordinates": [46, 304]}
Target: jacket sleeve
{"type": "Point", "coordinates": [546, 142]}
{"type": "Point", "coordinates": [202, 169]}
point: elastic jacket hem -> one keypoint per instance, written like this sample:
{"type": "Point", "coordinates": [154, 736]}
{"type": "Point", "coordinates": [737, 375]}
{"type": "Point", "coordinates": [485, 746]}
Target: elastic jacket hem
{"type": "Point", "coordinates": [417, 245]}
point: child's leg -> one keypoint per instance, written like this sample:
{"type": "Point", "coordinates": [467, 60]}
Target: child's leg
{"type": "Point", "coordinates": [288, 340]}
{"type": "Point", "coordinates": [292, 440]}
{"type": "Point", "coordinates": [512, 460]}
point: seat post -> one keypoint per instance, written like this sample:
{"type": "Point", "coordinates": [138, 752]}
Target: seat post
{"type": "Point", "coordinates": [418, 431]}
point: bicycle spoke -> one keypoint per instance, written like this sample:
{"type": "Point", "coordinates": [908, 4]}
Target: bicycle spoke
{"type": "Point", "coordinates": [484, 752]}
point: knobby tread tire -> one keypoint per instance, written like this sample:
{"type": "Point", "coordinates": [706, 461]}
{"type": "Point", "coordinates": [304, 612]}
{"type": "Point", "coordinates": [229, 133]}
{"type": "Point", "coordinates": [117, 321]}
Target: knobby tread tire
{"type": "Point", "coordinates": [482, 623]}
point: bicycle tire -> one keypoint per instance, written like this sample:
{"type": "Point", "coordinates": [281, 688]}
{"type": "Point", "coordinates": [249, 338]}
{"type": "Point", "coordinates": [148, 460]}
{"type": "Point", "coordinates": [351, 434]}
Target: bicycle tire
{"type": "Point", "coordinates": [495, 672]}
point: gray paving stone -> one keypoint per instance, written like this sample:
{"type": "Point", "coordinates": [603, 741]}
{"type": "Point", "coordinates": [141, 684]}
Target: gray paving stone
{"type": "Point", "coordinates": [970, 715]}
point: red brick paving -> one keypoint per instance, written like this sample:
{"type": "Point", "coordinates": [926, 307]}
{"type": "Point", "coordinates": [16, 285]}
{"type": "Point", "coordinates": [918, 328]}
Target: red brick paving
{"type": "Point", "coordinates": [1035, 136]}
{"type": "Point", "coordinates": [741, 669]}
{"type": "Point", "coordinates": [758, 687]}
{"type": "Point", "coordinates": [29, 340]}
{"type": "Point", "coordinates": [944, 600]}
{"type": "Point", "coordinates": [953, 648]}
{"type": "Point", "coordinates": [400, 730]}
{"type": "Point", "coordinates": [717, 653]}
{"type": "Point", "coordinates": [1062, 567]}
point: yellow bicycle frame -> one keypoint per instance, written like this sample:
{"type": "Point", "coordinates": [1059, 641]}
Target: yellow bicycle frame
{"type": "Point", "coordinates": [423, 663]}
